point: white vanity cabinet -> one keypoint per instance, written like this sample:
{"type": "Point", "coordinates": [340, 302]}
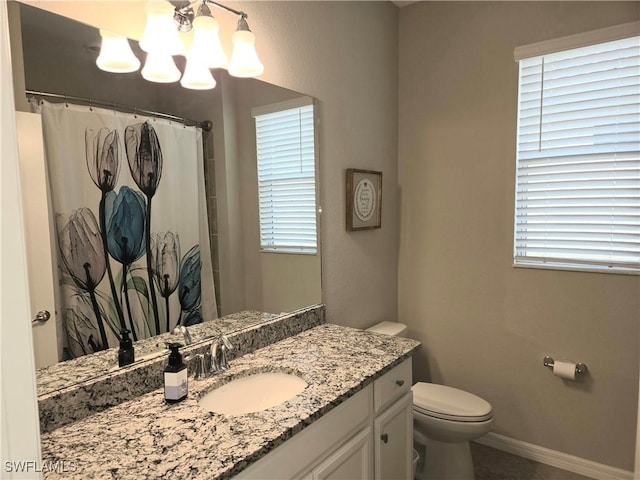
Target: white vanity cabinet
{"type": "Point", "coordinates": [369, 435]}
{"type": "Point", "coordinates": [393, 424]}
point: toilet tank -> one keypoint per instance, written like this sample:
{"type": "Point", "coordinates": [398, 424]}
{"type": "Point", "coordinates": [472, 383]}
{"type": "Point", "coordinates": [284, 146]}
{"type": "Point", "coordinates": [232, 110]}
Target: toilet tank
{"type": "Point", "coordinates": [394, 329]}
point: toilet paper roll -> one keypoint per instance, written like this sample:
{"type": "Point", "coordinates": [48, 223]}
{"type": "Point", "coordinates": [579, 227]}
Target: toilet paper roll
{"type": "Point", "coordinates": [564, 370]}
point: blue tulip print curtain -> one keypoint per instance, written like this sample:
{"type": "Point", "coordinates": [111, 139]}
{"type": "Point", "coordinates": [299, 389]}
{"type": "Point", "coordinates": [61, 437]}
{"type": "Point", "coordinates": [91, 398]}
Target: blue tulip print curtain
{"type": "Point", "coordinates": [129, 202]}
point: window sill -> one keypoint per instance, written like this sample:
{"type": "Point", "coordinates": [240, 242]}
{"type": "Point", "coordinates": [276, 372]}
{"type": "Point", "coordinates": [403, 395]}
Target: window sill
{"type": "Point", "coordinates": [288, 252]}
{"type": "Point", "coordinates": [576, 268]}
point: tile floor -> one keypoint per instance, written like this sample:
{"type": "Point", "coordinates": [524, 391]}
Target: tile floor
{"type": "Point", "coordinates": [492, 464]}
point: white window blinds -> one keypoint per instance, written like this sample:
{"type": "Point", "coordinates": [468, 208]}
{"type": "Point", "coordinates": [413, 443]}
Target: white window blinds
{"type": "Point", "coordinates": [578, 158]}
{"type": "Point", "coordinates": [286, 177]}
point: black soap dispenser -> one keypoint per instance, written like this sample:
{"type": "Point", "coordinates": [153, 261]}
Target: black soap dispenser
{"type": "Point", "coordinates": [175, 376]}
{"type": "Point", "coordinates": [126, 355]}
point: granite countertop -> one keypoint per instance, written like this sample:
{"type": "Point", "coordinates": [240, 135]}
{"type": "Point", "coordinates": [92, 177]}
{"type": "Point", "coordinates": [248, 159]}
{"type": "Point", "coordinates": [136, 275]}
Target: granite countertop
{"type": "Point", "coordinates": [77, 400]}
{"type": "Point", "coordinates": [147, 438]}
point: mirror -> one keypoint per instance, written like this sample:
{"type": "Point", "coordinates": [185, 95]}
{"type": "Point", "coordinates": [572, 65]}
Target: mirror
{"type": "Point", "coordinates": [252, 286]}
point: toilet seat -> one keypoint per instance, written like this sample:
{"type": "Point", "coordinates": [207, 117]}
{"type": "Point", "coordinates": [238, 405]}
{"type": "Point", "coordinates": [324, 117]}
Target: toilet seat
{"type": "Point", "coordinates": [449, 403]}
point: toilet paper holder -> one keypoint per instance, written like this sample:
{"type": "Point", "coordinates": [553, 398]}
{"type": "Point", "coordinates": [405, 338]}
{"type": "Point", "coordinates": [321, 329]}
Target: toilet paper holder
{"type": "Point", "coordinates": [548, 361]}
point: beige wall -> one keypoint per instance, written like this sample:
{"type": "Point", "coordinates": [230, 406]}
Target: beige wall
{"type": "Point", "coordinates": [289, 282]}
{"type": "Point", "coordinates": [485, 325]}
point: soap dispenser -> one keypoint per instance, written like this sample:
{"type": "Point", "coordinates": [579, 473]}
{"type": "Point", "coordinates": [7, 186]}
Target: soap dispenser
{"type": "Point", "coordinates": [126, 355]}
{"type": "Point", "coordinates": [175, 376]}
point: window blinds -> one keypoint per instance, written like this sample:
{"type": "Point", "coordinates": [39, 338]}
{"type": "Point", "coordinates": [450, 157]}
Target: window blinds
{"type": "Point", "coordinates": [578, 158]}
{"type": "Point", "coordinates": [286, 180]}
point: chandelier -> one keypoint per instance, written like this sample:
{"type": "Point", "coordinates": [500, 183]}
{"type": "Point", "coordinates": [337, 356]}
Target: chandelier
{"type": "Point", "coordinates": [161, 42]}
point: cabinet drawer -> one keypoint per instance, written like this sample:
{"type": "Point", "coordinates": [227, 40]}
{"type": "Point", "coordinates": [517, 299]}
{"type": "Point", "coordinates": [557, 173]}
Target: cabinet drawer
{"type": "Point", "coordinates": [392, 385]}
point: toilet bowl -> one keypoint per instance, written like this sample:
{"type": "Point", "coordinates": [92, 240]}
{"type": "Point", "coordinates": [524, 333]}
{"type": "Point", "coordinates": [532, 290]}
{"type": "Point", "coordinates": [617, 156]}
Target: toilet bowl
{"type": "Point", "coordinates": [445, 419]}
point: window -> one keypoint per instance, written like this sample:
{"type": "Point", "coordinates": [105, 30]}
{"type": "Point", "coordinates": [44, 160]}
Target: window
{"type": "Point", "coordinates": [578, 157]}
{"type": "Point", "coordinates": [286, 176]}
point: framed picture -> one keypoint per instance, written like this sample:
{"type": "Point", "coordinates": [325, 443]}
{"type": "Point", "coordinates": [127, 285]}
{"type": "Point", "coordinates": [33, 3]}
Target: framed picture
{"type": "Point", "coordinates": [364, 199]}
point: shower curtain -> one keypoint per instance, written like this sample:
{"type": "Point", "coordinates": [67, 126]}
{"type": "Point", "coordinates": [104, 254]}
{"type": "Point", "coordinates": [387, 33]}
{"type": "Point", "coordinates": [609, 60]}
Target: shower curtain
{"type": "Point", "coordinates": [129, 202]}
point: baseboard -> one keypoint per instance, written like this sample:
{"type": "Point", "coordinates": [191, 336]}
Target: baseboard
{"type": "Point", "coordinates": [554, 458]}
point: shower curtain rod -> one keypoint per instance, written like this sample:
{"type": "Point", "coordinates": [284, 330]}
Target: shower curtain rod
{"type": "Point", "coordinates": [205, 125]}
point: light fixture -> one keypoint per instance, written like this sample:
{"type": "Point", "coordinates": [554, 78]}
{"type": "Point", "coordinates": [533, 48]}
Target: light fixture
{"type": "Point", "coordinates": [244, 59]}
{"type": "Point", "coordinates": [161, 41]}
{"type": "Point", "coordinates": [116, 55]}
{"type": "Point", "coordinates": [160, 33]}
{"type": "Point", "coordinates": [206, 40]}
{"type": "Point", "coordinates": [160, 68]}
{"type": "Point", "coordinates": [197, 75]}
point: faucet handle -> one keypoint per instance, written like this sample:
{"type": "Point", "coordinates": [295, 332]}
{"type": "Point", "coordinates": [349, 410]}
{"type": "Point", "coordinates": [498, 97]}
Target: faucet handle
{"type": "Point", "coordinates": [219, 350]}
{"type": "Point", "coordinates": [203, 366]}
{"type": "Point", "coordinates": [226, 342]}
{"type": "Point", "coordinates": [182, 330]}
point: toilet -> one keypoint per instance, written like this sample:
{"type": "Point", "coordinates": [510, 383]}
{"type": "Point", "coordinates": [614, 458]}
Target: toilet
{"type": "Point", "coordinates": [445, 419]}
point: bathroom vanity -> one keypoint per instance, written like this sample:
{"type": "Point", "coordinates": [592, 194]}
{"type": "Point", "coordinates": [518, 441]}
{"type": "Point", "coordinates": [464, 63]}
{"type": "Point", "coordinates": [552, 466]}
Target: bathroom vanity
{"type": "Point", "coordinates": [353, 420]}
{"type": "Point", "coordinates": [367, 436]}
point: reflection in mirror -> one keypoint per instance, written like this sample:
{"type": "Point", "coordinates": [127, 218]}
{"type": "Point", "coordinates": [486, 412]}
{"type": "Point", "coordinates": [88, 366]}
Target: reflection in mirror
{"type": "Point", "coordinates": [59, 57]}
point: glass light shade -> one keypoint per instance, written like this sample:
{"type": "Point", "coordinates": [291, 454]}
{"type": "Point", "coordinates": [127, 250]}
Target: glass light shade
{"type": "Point", "coordinates": [160, 68]}
{"type": "Point", "coordinates": [206, 41]}
{"type": "Point", "coordinates": [197, 75]}
{"type": "Point", "coordinates": [116, 55]}
{"type": "Point", "coordinates": [244, 59]}
{"type": "Point", "coordinates": [160, 33]}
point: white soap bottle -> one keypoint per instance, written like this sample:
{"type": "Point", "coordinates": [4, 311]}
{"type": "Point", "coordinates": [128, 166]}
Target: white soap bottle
{"type": "Point", "coordinates": [176, 382]}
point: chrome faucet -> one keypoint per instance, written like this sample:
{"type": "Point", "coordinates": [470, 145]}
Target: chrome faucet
{"type": "Point", "coordinates": [219, 349]}
{"type": "Point", "coordinates": [181, 329]}
{"type": "Point", "coordinates": [204, 366]}
{"type": "Point", "coordinates": [215, 360]}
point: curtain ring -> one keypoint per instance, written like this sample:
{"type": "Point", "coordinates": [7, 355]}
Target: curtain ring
{"type": "Point", "coordinates": [113, 105]}
{"type": "Point", "coordinates": [135, 112]}
{"type": "Point", "coordinates": [184, 122]}
{"type": "Point", "coordinates": [66, 103]}
{"type": "Point", "coordinates": [90, 105]}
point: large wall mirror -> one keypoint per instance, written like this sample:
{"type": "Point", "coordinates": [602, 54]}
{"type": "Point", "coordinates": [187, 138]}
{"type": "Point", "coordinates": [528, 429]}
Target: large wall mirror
{"type": "Point", "coordinates": [59, 56]}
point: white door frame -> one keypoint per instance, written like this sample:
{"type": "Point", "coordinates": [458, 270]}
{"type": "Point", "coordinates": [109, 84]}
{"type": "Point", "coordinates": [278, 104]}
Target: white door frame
{"type": "Point", "coordinates": [20, 434]}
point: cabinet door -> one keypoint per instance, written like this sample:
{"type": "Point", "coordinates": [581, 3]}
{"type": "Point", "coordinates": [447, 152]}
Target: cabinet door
{"type": "Point", "coordinates": [298, 456]}
{"type": "Point", "coordinates": [393, 440]}
{"type": "Point", "coordinates": [351, 461]}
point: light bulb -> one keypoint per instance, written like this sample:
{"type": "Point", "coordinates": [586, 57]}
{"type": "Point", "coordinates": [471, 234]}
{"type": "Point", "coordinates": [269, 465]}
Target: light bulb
{"type": "Point", "coordinates": [244, 59]}
{"type": "Point", "coordinates": [206, 41]}
{"type": "Point", "coordinates": [160, 68]}
{"type": "Point", "coordinates": [197, 75]}
{"type": "Point", "coordinates": [116, 55]}
{"type": "Point", "coordinates": [160, 33]}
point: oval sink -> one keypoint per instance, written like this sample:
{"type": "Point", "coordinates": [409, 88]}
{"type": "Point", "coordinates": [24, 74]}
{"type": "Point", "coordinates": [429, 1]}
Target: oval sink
{"type": "Point", "coordinates": [253, 393]}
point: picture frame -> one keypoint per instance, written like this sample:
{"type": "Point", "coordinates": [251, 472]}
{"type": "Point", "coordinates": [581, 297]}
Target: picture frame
{"type": "Point", "coordinates": [364, 199]}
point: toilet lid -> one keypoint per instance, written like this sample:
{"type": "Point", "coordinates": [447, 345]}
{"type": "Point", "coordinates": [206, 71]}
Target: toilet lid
{"type": "Point", "coordinates": [394, 329]}
{"type": "Point", "coordinates": [449, 403]}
